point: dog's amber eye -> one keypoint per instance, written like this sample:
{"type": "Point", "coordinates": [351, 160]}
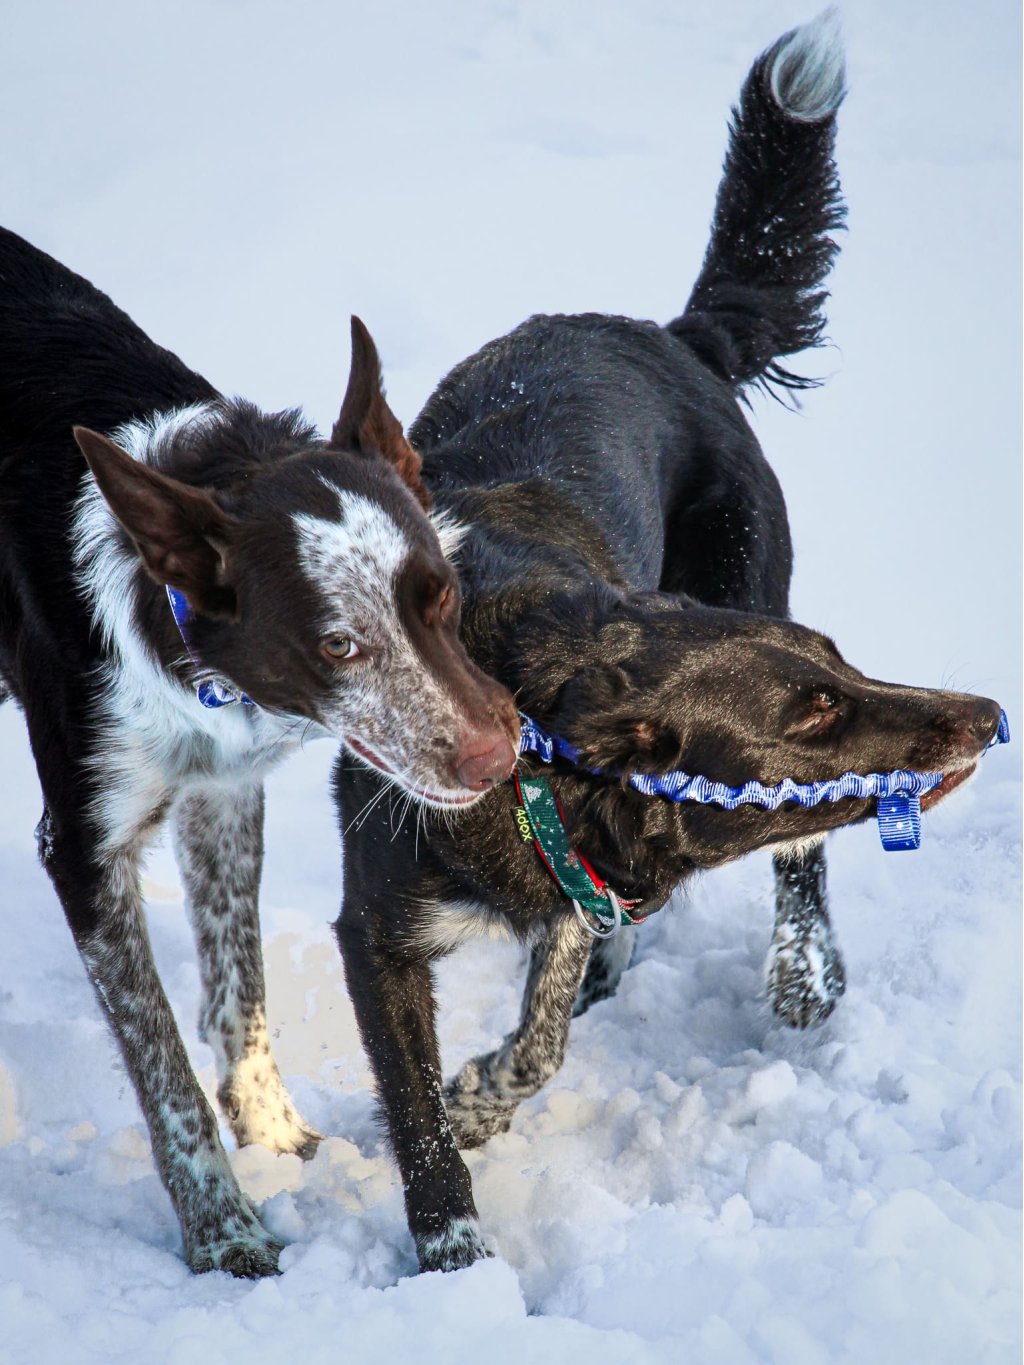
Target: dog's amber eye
{"type": "Point", "coordinates": [339, 648]}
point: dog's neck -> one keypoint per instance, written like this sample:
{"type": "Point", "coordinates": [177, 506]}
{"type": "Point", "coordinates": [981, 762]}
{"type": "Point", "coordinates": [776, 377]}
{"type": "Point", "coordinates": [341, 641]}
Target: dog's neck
{"type": "Point", "coordinates": [535, 573]}
{"type": "Point", "coordinates": [537, 581]}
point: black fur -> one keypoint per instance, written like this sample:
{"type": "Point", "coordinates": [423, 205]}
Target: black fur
{"type": "Point", "coordinates": [758, 295]}
{"type": "Point", "coordinates": [625, 573]}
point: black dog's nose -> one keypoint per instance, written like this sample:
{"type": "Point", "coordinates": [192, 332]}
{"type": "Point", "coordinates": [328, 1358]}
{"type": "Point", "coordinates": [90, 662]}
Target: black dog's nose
{"type": "Point", "coordinates": [983, 721]}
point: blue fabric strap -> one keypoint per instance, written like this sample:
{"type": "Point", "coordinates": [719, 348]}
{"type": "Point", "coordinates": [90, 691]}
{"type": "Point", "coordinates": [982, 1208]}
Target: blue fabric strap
{"type": "Point", "coordinates": [211, 692]}
{"type": "Point", "coordinates": [899, 822]}
{"type": "Point", "coordinates": [898, 793]}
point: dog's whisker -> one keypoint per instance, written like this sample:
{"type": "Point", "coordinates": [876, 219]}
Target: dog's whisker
{"type": "Point", "coordinates": [359, 819]}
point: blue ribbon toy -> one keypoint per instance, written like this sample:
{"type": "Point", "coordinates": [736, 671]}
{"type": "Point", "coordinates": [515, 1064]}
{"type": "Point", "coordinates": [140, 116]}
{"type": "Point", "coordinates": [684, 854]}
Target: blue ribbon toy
{"type": "Point", "coordinates": [898, 793]}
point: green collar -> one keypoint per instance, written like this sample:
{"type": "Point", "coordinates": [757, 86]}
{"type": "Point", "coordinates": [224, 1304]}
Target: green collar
{"type": "Point", "coordinates": [539, 821]}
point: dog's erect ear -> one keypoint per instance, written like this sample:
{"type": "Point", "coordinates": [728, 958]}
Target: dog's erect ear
{"type": "Point", "coordinates": [180, 532]}
{"type": "Point", "coordinates": [367, 425]}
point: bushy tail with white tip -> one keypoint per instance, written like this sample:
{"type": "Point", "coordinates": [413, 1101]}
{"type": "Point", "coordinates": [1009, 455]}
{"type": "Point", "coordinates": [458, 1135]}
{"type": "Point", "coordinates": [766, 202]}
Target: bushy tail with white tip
{"type": "Point", "coordinates": [759, 294]}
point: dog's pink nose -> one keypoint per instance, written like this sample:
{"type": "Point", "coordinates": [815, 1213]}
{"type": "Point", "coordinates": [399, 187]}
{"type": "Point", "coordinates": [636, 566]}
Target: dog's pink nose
{"type": "Point", "coordinates": [483, 768]}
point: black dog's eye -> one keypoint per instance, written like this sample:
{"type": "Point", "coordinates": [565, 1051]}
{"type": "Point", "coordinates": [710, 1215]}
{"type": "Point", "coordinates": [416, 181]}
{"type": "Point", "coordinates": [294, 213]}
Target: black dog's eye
{"type": "Point", "coordinates": [339, 649]}
{"type": "Point", "coordinates": [818, 714]}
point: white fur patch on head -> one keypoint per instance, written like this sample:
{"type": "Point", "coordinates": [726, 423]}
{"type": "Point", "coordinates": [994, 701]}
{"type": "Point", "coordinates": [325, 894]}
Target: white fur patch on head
{"type": "Point", "coordinates": [389, 706]}
{"type": "Point", "coordinates": [808, 69]}
{"type": "Point", "coordinates": [353, 561]}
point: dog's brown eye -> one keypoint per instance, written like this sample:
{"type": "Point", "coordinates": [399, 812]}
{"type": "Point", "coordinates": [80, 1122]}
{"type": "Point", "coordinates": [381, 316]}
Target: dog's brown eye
{"type": "Point", "coordinates": [339, 648]}
{"type": "Point", "coordinates": [819, 713]}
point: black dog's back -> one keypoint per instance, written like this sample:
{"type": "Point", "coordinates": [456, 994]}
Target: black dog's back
{"type": "Point", "coordinates": [62, 338]}
{"type": "Point", "coordinates": [636, 426]}
{"type": "Point", "coordinates": [615, 418]}
{"type": "Point", "coordinates": [68, 356]}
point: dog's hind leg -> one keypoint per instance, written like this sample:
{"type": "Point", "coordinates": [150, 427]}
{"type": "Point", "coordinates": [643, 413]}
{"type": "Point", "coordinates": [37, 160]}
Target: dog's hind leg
{"type": "Point", "coordinates": [100, 892]}
{"type": "Point", "coordinates": [484, 1095]}
{"type": "Point", "coordinates": [805, 970]}
{"type": "Point", "coordinates": [218, 841]}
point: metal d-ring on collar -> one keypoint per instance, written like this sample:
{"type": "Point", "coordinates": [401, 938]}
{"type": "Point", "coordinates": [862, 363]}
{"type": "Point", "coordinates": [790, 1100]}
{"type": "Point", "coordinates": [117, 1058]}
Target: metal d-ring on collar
{"type": "Point", "coordinates": [898, 793]}
{"type": "Point", "coordinates": [610, 927]}
{"type": "Point", "coordinates": [210, 692]}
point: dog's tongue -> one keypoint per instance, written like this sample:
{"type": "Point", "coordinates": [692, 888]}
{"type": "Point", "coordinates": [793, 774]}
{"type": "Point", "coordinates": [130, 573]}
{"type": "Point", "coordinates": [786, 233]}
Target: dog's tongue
{"type": "Point", "coordinates": [949, 783]}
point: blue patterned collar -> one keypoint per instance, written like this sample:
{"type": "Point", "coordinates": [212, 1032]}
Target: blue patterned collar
{"type": "Point", "coordinates": [211, 692]}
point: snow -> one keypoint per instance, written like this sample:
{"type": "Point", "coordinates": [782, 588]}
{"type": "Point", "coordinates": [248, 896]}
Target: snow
{"type": "Point", "coordinates": [697, 1183]}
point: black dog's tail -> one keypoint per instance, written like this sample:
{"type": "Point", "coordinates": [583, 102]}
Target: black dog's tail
{"type": "Point", "coordinates": [759, 293]}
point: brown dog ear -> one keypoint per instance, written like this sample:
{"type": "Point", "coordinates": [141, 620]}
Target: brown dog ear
{"type": "Point", "coordinates": [367, 425]}
{"type": "Point", "coordinates": [180, 532]}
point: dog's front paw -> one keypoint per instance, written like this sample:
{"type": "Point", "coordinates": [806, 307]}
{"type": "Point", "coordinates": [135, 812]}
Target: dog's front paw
{"type": "Point", "coordinates": [476, 1111]}
{"type": "Point", "coordinates": [457, 1245]}
{"type": "Point", "coordinates": [247, 1255]}
{"type": "Point", "coordinates": [805, 975]}
{"type": "Point", "coordinates": [475, 1118]}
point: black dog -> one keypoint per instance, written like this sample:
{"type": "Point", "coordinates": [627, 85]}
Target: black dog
{"type": "Point", "coordinates": [625, 565]}
{"type": "Point", "coordinates": [288, 550]}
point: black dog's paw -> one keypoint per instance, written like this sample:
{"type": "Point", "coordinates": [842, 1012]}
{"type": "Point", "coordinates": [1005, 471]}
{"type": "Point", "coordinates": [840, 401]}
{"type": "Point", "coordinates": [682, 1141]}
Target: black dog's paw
{"type": "Point", "coordinates": [456, 1246]}
{"type": "Point", "coordinates": [476, 1112]}
{"type": "Point", "coordinates": [805, 976]}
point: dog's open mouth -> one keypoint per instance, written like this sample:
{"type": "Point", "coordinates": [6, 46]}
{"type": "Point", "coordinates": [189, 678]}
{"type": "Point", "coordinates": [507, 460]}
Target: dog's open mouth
{"type": "Point", "coordinates": [948, 784]}
{"type": "Point", "coordinates": [434, 798]}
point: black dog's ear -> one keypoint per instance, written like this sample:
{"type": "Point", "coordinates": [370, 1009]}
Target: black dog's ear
{"type": "Point", "coordinates": [614, 724]}
{"type": "Point", "coordinates": [367, 425]}
{"type": "Point", "coordinates": [180, 532]}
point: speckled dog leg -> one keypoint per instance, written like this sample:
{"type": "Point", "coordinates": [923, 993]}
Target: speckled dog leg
{"type": "Point", "coordinates": [482, 1098]}
{"type": "Point", "coordinates": [805, 970]}
{"type": "Point", "coordinates": [218, 840]}
{"type": "Point", "coordinates": [219, 1227]}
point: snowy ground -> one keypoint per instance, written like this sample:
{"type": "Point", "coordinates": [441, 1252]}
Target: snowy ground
{"type": "Point", "coordinates": [697, 1183]}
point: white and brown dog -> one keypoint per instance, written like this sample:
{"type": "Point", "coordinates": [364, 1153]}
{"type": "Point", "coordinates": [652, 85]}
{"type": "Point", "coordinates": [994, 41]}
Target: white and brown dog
{"type": "Point", "coordinates": [314, 592]}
